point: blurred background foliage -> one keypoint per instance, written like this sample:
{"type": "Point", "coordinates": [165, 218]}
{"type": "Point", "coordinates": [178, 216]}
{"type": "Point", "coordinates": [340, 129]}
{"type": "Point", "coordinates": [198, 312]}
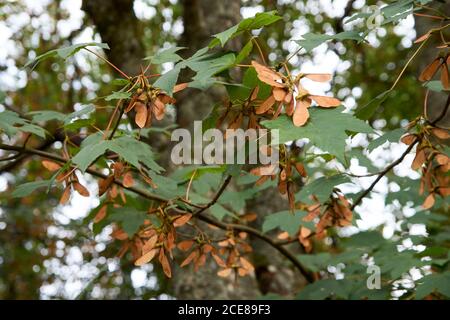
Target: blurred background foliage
{"type": "Point", "coordinates": [48, 251]}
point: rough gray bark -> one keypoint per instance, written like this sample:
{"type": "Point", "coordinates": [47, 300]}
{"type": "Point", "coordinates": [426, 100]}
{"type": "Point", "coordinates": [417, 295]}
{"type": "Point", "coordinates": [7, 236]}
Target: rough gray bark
{"type": "Point", "coordinates": [123, 32]}
{"type": "Point", "coordinates": [203, 18]}
{"type": "Point", "coordinates": [436, 101]}
{"type": "Point", "coordinates": [273, 272]}
{"type": "Point", "coordinates": [118, 26]}
{"type": "Point", "coordinates": [120, 29]}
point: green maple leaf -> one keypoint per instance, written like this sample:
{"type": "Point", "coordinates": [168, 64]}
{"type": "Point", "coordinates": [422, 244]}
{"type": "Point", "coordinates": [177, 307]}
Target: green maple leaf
{"type": "Point", "coordinates": [327, 129]}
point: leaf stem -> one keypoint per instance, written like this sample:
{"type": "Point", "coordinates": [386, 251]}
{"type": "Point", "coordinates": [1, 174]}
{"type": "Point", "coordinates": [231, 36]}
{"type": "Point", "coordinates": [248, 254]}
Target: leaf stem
{"type": "Point", "coordinates": [108, 62]}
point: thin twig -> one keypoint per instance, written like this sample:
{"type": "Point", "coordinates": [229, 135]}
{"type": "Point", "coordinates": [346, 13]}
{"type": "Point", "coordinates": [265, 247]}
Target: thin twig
{"type": "Point", "coordinates": [383, 173]}
{"type": "Point", "coordinates": [228, 226]}
{"type": "Point", "coordinates": [122, 110]}
{"type": "Point", "coordinates": [108, 62]}
{"type": "Point", "coordinates": [216, 197]}
{"type": "Point", "coordinates": [255, 40]}
{"type": "Point", "coordinates": [190, 184]}
{"type": "Point", "coordinates": [199, 214]}
{"type": "Point", "coordinates": [95, 173]}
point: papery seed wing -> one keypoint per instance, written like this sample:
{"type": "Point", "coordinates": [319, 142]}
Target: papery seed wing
{"type": "Point", "coordinates": [268, 76]}
{"type": "Point", "coordinates": [326, 102]}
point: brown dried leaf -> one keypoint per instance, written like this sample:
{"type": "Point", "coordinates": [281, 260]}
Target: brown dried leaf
{"type": "Point", "coordinates": [170, 242]}
{"type": "Point", "coordinates": [242, 272]}
{"type": "Point", "coordinates": [283, 236]}
{"type": "Point", "coordinates": [445, 77]}
{"type": "Point", "coordinates": [261, 180]}
{"type": "Point", "coordinates": [158, 109]}
{"type": "Point", "coordinates": [128, 180]}
{"type": "Point", "coordinates": [141, 115]}
{"type": "Point", "coordinates": [185, 245]}
{"type": "Point", "coordinates": [180, 87]}
{"type": "Point", "coordinates": [246, 264]}
{"type": "Point", "coordinates": [279, 93]}
{"type": "Point", "coordinates": [224, 273]}
{"type": "Point", "coordinates": [304, 232]}
{"type": "Point", "coordinates": [444, 191]}
{"type": "Point", "coordinates": [429, 201]}
{"type": "Point", "coordinates": [118, 169]}
{"type": "Point", "coordinates": [165, 264]}
{"type": "Point", "coordinates": [254, 94]}
{"type": "Point", "coordinates": [219, 260]}
{"type": "Point", "coordinates": [223, 243]}
{"type": "Point", "coordinates": [441, 133]}
{"type": "Point", "coordinates": [150, 244]}
{"type": "Point", "coordinates": [408, 139]}
{"type": "Point", "coordinates": [123, 249]}
{"type": "Point", "coordinates": [146, 258]}
{"type": "Point", "coordinates": [81, 189]}
{"type": "Point", "coordinates": [267, 75]}
{"type": "Point", "coordinates": [207, 248]}
{"type": "Point", "coordinates": [290, 107]}
{"type": "Point", "coordinates": [266, 170]}
{"type": "Point", "coordinates": [119, 234]}
{"type": "Point", "coordinates": [301, 114]}
{"type": "Point", "coordinates": [249, 217]}
{"type": "Point", "coordinates": [65, 196]}
{"type": "Point", "coordinates": [422, 37]}
{"type": "Point", "coordinates": [50, 165]}
{"type": "Point", "coordinates": [318, 77]}
{"type": "Point", "coordinates": [200, 261]}
{"type": "Point", "coordinates": [101, 214]}
{"type": "Point", "coordinates": [419, 159]}
{"type": "Point", "coordinates": [104, 184]}
{"type": "Point", "coordinates": [182, 220]}
{"type": "Point", "coordinates": [265, 105]}
{"type": "Point", "coordinates": [300, 169]}
{"type": "Point", "coordinates": [326, 102]}
{"type": "Point", "coordinates": [166, 99]}
{"type": "Point", "coordinates": [430, 70]}
{"type": "Point", "coordinates": [442, 159]}
{"type": "Point", "coordinates": [193, 255]}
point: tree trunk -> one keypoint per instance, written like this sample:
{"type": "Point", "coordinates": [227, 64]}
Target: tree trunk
{"type": "Point", "coordinates": [120, 29]}
{"type": "Point", "coordinates": [118, 26]}
{"type": "Point", "coordinates": [202, 19]}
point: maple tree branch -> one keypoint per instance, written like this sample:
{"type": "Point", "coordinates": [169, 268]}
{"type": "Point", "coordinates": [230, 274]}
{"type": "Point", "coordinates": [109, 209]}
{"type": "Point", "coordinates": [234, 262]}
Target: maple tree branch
{"type": "Point", "coordinates": [443, 113]}
{"type": "Point", "coordinates": [199, 214]}
{"type": "Point", "coordinates": [21, 156]}
{"type": "Point", "coordinates": [400, 159]}
{"type": "Point", "coordinates": [289, 255]}
{"type": "Point", "coordinates": [216, 197]}
{"type": "Point", "coordinates": [95, 173]}
{"type": "Point", "coordinates": [383, 173]}
{"type": "Point", "coordinates": [370, 188]}
{"type": "Point", "coordinates": [108, 62]}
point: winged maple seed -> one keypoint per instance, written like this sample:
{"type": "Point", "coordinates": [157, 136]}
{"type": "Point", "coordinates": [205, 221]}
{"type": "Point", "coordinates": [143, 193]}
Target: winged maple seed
{"type": "Point", "coordinates": [199, 254]}
{"type": "Point", "coordinates": [288, 92]}
{"type": "Point", "coordinates": [439, 64]}
{"type": "Point", "coordinates": [159, 240]}
{"type": "Point", "coordinates": [153, 239]}
{"type": "Point", "coordinates": [432, 162]}
{"type": "Point", "coordinates": [233, 247]}
{"type": "Point", "coordinates": [149, 102]}
{"type": "Point", "coordinates": [69, 178]}
{"type": "Point", "coordinates": [120, 171]}
{"type": "Point", "coordinates": [286, 164]}
{"type": "Point", "coordinates": [336, 212]}
{"type": "Point", "coordinates": [240, 113]}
